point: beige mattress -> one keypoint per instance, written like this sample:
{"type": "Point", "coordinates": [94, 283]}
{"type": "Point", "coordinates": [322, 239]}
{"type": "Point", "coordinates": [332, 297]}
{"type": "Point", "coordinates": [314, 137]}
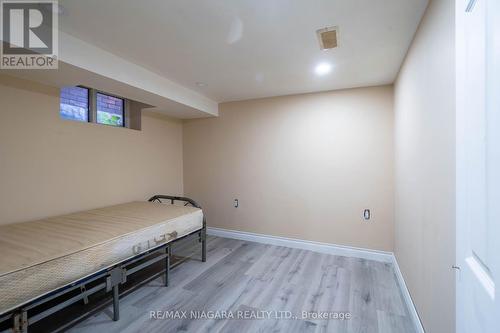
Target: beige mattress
{"type": "Point", "coordinates": [41, 256]}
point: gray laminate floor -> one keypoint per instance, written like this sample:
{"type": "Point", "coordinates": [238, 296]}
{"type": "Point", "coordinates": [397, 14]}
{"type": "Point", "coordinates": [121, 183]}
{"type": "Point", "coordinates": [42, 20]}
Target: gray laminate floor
{"type": "Point", "coordinates": [251, 280]}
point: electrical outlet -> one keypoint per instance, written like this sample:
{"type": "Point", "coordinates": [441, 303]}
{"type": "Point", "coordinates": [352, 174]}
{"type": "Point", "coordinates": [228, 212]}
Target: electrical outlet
{"type": "Point", "coordinates": [236, 203]}
{"type": "Point", "coordinates": [367, 215]}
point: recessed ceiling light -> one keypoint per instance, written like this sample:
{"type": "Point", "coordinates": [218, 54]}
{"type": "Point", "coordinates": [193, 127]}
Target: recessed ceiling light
{"type": "Point", "coordinates": [322, 68]}
{"type": "Point", "coordinates": [201, 84]}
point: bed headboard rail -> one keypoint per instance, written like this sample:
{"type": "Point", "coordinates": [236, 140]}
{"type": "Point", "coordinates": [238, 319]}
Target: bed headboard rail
{"type": "Point", "coordinates": [160, 197]}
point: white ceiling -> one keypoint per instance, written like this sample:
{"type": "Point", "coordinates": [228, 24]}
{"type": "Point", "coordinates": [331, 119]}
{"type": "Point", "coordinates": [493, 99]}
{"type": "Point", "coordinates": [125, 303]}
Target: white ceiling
{"type": "Point", "coordinates": [244, 49]}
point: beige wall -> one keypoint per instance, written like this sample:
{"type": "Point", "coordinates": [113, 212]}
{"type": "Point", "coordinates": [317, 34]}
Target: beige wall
{"type": "Point", "coordinates": [50, 166]}
{"type": "Point", "coordinates": [302, 166]}
{"type": "Point", "coordinates": [425, 168]}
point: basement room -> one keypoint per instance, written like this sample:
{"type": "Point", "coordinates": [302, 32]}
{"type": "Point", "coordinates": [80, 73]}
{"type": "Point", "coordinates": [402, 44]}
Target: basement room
{"type": "Point", "coordinates": [250, 166]}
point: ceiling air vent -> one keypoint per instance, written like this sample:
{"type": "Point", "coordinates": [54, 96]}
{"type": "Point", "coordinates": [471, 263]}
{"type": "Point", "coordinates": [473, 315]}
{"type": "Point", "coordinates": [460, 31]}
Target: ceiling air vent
{"type": "Point", "coordinates": [327, 37]}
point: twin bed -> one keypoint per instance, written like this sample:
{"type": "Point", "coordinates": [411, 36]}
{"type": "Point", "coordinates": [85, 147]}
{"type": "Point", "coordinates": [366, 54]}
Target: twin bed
{"type": "Point", "coordinates": [91, 251]}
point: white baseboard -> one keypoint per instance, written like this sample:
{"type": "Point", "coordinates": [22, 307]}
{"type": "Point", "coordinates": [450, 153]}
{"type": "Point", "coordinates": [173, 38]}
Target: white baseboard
{"type": "Point", "coordinates": [334, 249]}
{"type": "Point", "coordinates": [339, 250]}
{"type": "Point", "coordinates": [407, 297]}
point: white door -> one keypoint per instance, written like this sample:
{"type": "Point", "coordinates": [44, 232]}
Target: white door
{"type": "Point", "coordinates": [478, 165]}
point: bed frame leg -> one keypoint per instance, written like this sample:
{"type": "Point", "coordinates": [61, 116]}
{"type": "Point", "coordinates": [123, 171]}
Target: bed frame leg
{"type": "Point", "coordinates": [203, 238]}
{"type": "Point", "coordinates": [116, 276]}
{"type": "Point", "coordinates": [167, 265]}
{"type": "Point", "coordinates": [116, 303]}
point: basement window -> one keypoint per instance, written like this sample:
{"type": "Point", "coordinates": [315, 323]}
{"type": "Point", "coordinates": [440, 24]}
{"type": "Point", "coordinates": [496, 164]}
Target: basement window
{"type": "Point", "coordinates": [89, 105]}
{"type": "Point", "coordinates": [74, 103]}
{"type": "Point", "coordinates": [110, 110]}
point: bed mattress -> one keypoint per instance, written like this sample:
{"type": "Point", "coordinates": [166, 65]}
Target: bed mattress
{"type": "Point", "coordinates": [41, 256]}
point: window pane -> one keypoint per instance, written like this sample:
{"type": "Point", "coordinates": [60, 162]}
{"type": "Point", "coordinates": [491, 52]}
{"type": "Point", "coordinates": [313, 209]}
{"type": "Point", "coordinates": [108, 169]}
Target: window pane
{"type": "Point", "coordinates": [74, 103]}
{"type": "Point", "coordinates": [109, 110]}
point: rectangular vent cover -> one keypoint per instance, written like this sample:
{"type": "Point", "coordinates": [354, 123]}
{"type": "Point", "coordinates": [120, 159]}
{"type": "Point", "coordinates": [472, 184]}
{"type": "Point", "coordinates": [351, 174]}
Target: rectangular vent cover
{"type": "Point", "coordinates": [327, 38]}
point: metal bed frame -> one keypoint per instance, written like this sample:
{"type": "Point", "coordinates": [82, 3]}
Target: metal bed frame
{"type": "Point", "coordinates": [108, 279]}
